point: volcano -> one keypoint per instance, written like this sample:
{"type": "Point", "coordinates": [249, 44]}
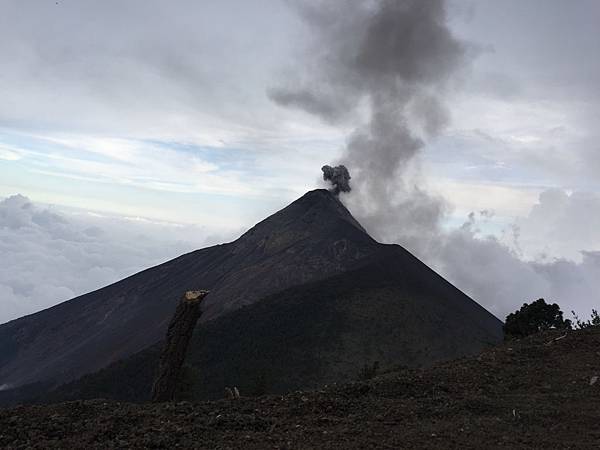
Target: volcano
{"type": "Point", "coordinates": [306, 294]}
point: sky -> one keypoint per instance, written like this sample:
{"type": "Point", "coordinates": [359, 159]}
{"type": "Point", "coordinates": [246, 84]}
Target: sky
{"type": "Point", "coordinates": [134, 131]}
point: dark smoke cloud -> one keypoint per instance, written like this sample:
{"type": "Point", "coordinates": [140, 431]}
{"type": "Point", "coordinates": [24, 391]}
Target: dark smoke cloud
{"type": "Point", "coordinates": [339, 177]}
{"type": "Point", "coordinates": [391, 59]}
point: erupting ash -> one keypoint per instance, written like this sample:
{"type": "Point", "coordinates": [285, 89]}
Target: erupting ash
{"type": "Point", "coordinates": [339, 177]}
{"type": "Point", "coordinates": [381, 66]}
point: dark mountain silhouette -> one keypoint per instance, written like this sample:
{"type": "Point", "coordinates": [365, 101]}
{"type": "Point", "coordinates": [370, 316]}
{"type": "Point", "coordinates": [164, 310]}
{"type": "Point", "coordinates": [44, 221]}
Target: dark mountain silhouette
{"type": "Point", "coordinates": [393, 311]}
{"type": "Point", "coordinates": [329, 292]}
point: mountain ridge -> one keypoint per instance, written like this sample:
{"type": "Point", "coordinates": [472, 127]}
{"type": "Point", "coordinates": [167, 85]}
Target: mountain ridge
{"type": "Point", "coordinates": [314, 334]}
{"type": "Point", "coordinates": [312, 240]}
{"type": "Point", "coordinates": [55, 343]}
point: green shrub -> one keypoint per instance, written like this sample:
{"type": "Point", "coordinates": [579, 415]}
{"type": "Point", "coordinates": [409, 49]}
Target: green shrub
{"type": "Point", "coordinates": [535, 317]}
{"type": "Point", "coordinates": [593, 322]}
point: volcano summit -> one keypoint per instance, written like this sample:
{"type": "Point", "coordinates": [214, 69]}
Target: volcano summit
{"type": "Point", "coordinates": [304, 297]}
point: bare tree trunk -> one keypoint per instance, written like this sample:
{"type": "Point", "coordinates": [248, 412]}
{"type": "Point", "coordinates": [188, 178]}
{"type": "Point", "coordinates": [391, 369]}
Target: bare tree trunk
{"type": "Point", "coordinates": [177, 341]}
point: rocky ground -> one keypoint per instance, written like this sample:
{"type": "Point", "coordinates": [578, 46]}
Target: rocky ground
{"type": "Point", "coordinates": [538, 392]}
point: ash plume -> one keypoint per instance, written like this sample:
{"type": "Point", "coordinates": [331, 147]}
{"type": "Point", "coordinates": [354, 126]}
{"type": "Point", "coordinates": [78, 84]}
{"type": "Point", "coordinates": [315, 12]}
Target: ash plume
{"type": "Point", "coordinates": [383, 67]}
{"type": "Point", "coordinates": [339, 177]}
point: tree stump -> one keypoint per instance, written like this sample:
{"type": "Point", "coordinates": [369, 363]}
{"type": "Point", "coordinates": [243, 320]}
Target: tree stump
{"type": "Point", "coordinates": [178, 338]}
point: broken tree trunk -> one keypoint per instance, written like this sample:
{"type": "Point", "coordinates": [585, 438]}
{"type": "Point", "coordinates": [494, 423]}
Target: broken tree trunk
{"type": "Point", "coordinates": [177, 341]}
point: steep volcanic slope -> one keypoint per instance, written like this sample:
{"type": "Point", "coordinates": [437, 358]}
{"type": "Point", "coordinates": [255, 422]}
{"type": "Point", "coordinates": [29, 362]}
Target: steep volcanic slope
{"type": "Point", "coordinates": [394, 310]}
{"type": "Point", "coordinates": [312, 238]}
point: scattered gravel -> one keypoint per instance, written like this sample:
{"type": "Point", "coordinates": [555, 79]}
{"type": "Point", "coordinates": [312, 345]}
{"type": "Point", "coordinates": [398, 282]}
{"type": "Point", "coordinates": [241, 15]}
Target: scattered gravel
{"type": "Point", "coordinates": [532, 393]}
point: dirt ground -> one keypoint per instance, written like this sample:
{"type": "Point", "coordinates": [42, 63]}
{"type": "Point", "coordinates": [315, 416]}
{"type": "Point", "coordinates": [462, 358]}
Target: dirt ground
{"type": "Point", "coordinates": [534, 393]}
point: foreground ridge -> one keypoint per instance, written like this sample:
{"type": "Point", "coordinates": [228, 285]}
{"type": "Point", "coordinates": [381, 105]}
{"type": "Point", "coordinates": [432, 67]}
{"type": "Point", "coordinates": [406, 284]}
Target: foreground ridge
{"type": "Point", "coordinates": [538, 392]}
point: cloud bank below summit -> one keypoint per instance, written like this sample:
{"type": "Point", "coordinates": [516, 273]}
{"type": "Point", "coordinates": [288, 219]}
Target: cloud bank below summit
{"type": "Point", "coordinates": [49, 256]}
{"type": "Point", "coordinates": [52, 255]}
{"type": "Point", "coordinates": [497, 272]}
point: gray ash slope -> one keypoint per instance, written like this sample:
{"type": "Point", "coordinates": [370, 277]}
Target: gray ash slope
{"type": "Point", "coordinates": [393, 310]}
{"type": "Point", "coordinates": [313, 245]}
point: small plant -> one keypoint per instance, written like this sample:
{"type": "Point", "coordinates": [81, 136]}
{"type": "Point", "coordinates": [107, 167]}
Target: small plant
{"type": "Point", "coordinates": [535, 317]}
{"type": "Point", "coordinates": [593, 322]}
{"type": "Point", "coordinates": [368, 371]}
{"type": "Point", "coordinates": [259, 385]}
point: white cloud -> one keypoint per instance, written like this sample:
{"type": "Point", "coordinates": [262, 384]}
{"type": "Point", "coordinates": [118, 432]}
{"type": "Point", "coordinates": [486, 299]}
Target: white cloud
{"type": "Point", "coordinates": [49, 255]}
{"type": "Point", "coordinates": [561, 225]}
{"type": "Point", "coordinates": [8, 155]}
{"type": "Point", "coordinates": [531, 99]}
{"type": "Point", "coordinates": [488, 271]}
{"type": "Point", "coordinates": [553, 252]}
{"type": "Point", "coordinates": [194, 72]}
{"type": "Point", "coordinates": [505, 200]}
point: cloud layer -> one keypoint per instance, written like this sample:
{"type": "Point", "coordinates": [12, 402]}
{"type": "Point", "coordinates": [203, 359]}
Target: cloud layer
{"type": "Point", "coordinates": [495, 272]}
{"type": "Point", "coordinates": [49, 256]}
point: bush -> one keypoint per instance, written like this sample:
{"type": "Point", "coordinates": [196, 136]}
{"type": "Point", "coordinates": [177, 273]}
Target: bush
{"type": "Point", "coordinates": [535, 317]}
{"type": "Point", "coordinates": [368, 371]}
{"type": "Point", "coordinates": [594, 322]}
